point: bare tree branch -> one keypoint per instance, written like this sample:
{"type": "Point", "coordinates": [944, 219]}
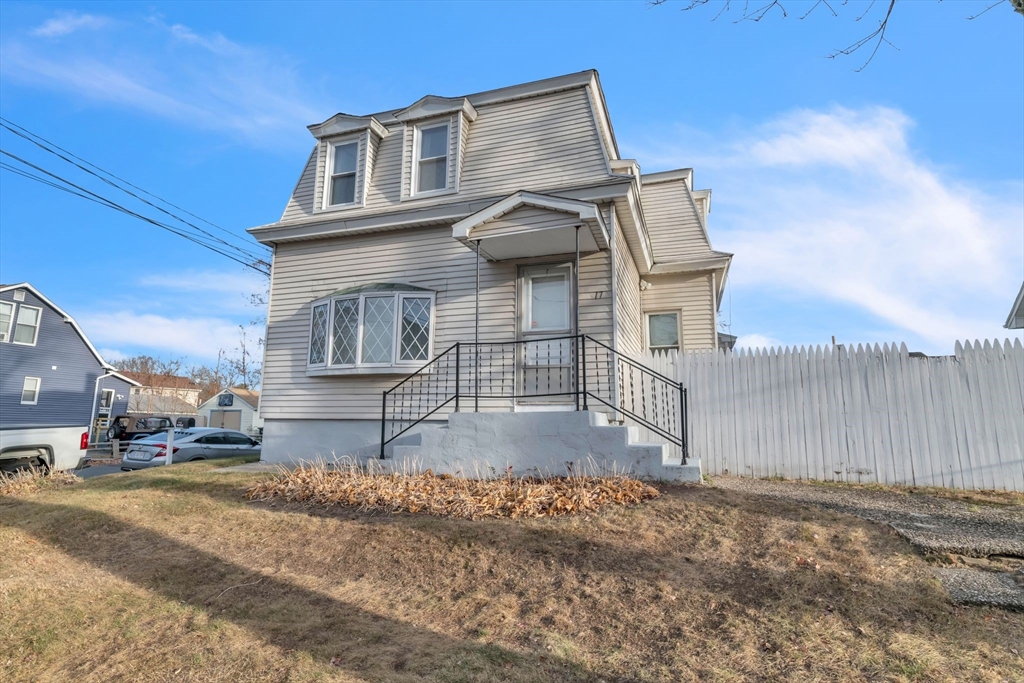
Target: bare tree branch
{"type": "Point", "coordinates": [994, 4]}
{"type": "Point", "coordinates": [877, 33]}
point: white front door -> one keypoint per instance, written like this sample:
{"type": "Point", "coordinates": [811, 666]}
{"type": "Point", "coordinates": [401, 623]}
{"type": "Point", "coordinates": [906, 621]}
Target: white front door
{"type": "Point", "coordinates": [546, 306]}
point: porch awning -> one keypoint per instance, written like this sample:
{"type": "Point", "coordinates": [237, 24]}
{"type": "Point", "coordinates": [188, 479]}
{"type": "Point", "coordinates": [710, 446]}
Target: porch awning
{"type": "Point", "coordinates": [526, 224]}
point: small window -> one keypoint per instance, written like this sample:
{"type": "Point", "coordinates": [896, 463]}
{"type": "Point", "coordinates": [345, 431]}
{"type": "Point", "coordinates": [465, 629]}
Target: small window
{"type": "Point", "coordinates": [19, 295]}
{"type": "Point", "coordinates": [106, 401]}
{"type": "Point", "coordinates": [344, 159]}
{"type": "Point", "coordinates": [663, 331]}
{"type": "Point", "coordinates": [226, 400]}
{"type": "Point", "coordinates": [30, 391]}
{"type": "Point", "coordinates": [26, 330]}
{"type": "Point", "coordinates": [548, 300]}
{"type": "Point", "coordinates": [432, 164]}
{"type": "Point", "coordinates": [6, 318]}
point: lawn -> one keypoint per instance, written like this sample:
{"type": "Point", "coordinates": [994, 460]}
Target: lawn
{"type": "Point", "coordinates": [171, 575]}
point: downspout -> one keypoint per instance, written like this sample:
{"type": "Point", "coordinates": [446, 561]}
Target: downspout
{"type": "Point", "coordinates": [613, 374]}
{"type": "Point", "coordinates": [577, 280]}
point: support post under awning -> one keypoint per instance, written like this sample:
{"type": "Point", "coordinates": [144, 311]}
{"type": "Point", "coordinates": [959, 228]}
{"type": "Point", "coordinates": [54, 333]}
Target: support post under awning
{"type": "Point", "coordinates": [476, 335]}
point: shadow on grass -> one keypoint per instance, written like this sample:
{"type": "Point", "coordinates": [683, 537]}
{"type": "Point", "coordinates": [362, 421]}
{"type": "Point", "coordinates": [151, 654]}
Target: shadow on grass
{"type": "Point", "coordinates": [283, 614]}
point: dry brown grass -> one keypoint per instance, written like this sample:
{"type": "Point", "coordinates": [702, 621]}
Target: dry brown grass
{"type": "Point", "coordinates": [373, 489]}
{"type": "Point", "coordinates": [33, 479]}
{"type": "Point", "coordinates": [170, 574]}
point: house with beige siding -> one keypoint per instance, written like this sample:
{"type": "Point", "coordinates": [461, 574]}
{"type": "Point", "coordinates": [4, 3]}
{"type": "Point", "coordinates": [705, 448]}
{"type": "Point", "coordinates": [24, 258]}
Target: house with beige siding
{"type": "Point", "coordinates": [468, 281]}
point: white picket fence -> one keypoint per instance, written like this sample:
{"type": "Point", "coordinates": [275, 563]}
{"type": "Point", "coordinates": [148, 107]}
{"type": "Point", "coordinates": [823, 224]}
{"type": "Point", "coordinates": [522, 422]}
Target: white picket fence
{"type": "Point", "coordinates": [870, 414]}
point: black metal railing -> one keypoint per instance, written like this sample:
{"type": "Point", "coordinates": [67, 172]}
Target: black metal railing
{"type": "Point", "coordinates": [573, 368]}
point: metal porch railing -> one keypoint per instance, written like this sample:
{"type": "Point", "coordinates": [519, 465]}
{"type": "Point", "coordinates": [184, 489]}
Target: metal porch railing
{"type": "Point", "coordinates": [574, 369]}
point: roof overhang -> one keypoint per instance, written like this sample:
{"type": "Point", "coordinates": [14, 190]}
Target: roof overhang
{"type": "Point", "coordinates": [557, 237]}
{"type": "Point", "coordinates": [340, 124]}
{"type": "Point", "coordinates": [67, 318]}
{"type": "Point", "coordinates": [1015, 321]}
{"type": "Point", "coordinates": [717, 262]}
{"type": "Point", "coordinates": [433, 105]}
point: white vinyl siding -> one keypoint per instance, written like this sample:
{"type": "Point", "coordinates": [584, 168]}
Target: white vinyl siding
{"type": "Point", "coordinates": [428, 258]}
{"type": "Point", "coordinates": [303, 199]}
{"type": "Point", "coordinates": [540, 143]}
{"type": "Point", "coordinates": [631, 336]}
{"type": "Point", "coordinates": [673, 223]}
{"type": "Point", "coordinates": [691, 295]}
{"type": "Point", "coordinates": [526, 218]}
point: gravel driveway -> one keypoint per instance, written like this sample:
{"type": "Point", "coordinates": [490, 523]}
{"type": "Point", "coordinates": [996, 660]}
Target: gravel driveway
{"type": "Point", "coordinates": [933, 525]}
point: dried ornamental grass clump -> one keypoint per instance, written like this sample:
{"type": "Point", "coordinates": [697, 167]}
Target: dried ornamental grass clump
{"type": "Point", "coordinates": [448, 496]}
{"type": "Point", "coordinates": [34, 479]}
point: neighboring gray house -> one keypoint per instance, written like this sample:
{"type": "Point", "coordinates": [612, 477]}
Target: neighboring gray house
{"type": "Point", "coordinates": [1015, 321]}
{"type": "Point", "coordinates": [472, 268]}
{"type": "Point", "coordinates": [53, 382]}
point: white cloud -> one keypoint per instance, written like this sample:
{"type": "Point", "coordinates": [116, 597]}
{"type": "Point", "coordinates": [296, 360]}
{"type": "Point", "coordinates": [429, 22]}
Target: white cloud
{"type": "Point", "coordinates": [756, 341]}
{"type": "Point", "coordinates": [207, 290]}
{"type": "Point", "coordinates": [112, 355]}
{"type": "Point", "coordinates": [69, 22]}
{"type": "Point", "coordinates": [207, 82]}
{"type": "Point", "coordinates": [192, 337]}
{"type": "Point", "coordinates": [837, 206]}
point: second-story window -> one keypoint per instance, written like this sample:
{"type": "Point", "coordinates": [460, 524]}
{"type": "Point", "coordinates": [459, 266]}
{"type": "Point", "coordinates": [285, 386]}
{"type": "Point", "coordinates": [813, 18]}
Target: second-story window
{"type": "Point", "coordinates": [6, 318]}
{"type": "Point", "coordinates": [432, 161]}
{"type": "Point", "coordinates": [343, 173]}
{"type": "Point", "coordinates": [26, 330]}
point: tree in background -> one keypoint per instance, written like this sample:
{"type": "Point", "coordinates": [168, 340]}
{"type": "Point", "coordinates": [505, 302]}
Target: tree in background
{"type": "Point", "coordinates": [873, 10]}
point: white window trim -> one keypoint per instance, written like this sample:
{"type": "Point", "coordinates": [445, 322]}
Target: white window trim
{"type": "Point", "coordinates": [414, 172]}
{"type": "Point", "coordinates": [39, 323]}
{"type": "Point", "coordinates": [113, 397]}
{"type": "Point", "coordinates": [5, 335]}
{"type": "Point", "coordinates": [359, 139]}
{"type": "Point", "coordinates": [678, 313]}
{"type": "Point", "coordinates": [39, 386]}
{"type": "Point", "coordinates": [528, 299]}
{"type": "Point", "coordinates": [359, 367]}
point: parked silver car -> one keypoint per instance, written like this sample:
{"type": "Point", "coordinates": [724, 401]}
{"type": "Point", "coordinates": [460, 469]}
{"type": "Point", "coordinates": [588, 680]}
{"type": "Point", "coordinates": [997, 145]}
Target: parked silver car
{"type": "Point", "coordinates": [200, 443]}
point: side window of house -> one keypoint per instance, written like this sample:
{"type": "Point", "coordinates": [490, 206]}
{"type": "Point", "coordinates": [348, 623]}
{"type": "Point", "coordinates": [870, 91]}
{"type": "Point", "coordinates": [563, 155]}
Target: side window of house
{"type": "Point", "coordinates": [6, 318]}
{"type": "Point", "coordinates": [663, 331]}
{"type": "Point", "coordinates": [30, 391]}
{"type": "Point", "coordinates": [371, 330]}
{"type": "Point", "coordinates": [26, 329]}
{"type": "Point", "coordinates": [343, 173]}
{"type": "Point", "coordinates": [432, 159]}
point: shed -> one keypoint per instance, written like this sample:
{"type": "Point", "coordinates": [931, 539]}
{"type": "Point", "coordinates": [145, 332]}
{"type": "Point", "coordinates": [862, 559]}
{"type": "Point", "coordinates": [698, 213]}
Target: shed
{"type": "Point", "coordinates": [234, 408]}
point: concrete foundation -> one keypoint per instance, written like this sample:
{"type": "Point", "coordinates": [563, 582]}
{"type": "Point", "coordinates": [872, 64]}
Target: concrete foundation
{"type": "Point", "coordinates": [486, 444]}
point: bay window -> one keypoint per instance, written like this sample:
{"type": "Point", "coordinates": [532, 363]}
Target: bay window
{"type": "Point", "coordinates": [376, 326]}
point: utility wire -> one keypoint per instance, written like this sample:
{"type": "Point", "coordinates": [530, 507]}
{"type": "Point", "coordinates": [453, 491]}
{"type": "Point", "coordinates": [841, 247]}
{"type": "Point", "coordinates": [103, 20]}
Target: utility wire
{"type": "Point", "coordinates": [99, 199]}
{"type": "Point", "coordinates": [29, 135]}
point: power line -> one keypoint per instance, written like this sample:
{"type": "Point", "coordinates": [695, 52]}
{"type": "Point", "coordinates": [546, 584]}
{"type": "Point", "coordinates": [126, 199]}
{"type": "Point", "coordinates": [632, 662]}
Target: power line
{"type": "Point", "coordinates": [11, 126]}
{"type": "Point", "coordinates": [104, 201]}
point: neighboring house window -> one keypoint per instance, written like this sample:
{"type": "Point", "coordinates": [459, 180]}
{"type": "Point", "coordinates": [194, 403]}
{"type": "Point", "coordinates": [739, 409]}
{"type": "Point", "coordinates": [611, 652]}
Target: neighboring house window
{"type": "Point", "coordinates": [6, 318]}
{"type": "Point", "coordinates": [371, 329]}
{"type": "Point", "coordinates": [106, 401]}
{"type": "Point", "coordinates": [30, 391]}
{"type": "Point", "coordinates": [26, 330]}
{"type": "Point", "coordinates": [432, 158]}
{"type": "Point", "coordinates": [344, 162]}
{"type": "Point", "coordinates": [663, 331]}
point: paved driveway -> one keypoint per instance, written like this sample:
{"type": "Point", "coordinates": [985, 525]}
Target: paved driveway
{"type": "Point", "coordinates": [98, 471]}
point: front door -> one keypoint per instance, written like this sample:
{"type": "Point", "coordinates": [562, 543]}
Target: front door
{"type": "Point", "coordinates": [545, 325]}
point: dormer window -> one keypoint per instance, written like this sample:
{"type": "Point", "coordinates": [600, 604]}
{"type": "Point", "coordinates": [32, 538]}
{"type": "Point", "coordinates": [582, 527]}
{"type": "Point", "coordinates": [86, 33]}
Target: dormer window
{"type": "Point", "coordinates": [344, 165]}
{"type": "Point", "coordinates": [432, 158]}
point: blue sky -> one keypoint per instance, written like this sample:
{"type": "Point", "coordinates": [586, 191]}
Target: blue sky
{"type": "Point", "coordinates": [874, 206]}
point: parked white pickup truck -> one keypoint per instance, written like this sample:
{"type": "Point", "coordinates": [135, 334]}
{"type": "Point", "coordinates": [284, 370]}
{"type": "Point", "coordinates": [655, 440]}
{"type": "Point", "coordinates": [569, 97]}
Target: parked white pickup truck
{"type": "Point", "coordinates": [59, 448]}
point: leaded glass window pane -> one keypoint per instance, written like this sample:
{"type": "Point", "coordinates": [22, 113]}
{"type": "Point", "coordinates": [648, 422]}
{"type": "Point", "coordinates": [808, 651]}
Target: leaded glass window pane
{"type": "Point", "coordinates": [378, 329]}
{"type": "Point", "coordinates": [415, 329]}
{"type": "Point", "coordinates": [664, 330]}
{"type": "Point", "coordinates": [318, 336]}
{"type": "Point", "coordinates": [346, 329]}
